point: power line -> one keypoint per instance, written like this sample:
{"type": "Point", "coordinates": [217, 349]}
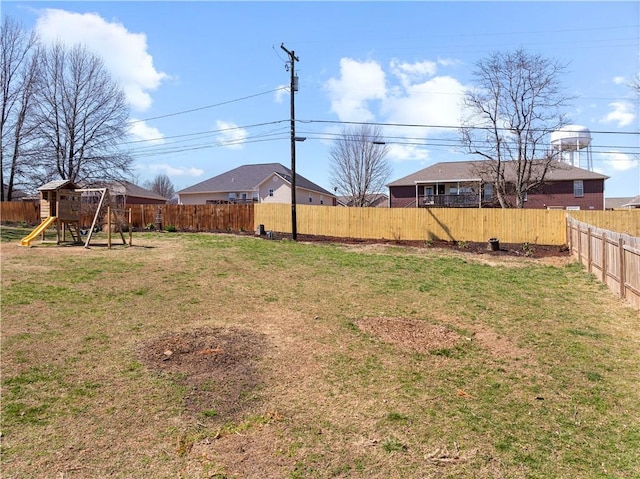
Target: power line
{"type": "Point", "coordinates": [413, 125]}
{"type": "Point", "coordinates": [279, 135]}
{"type": "Point", "coordinates": [209, 106]}
{"type": "Point", "coordinates": [202, 133]}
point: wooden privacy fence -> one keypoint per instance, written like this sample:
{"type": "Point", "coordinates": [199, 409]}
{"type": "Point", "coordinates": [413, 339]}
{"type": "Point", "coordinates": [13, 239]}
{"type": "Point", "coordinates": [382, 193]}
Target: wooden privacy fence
{"type": "Point", "coordinates": [194, 217]}
{"type": "Point", "coordinates": [20, 211]}
{"type": "Point", "coordinates": [450, 224]}
{"type": "Point", "coordinates": [183, 217]}
{"type": "Point", "coordinates": [613, 257]}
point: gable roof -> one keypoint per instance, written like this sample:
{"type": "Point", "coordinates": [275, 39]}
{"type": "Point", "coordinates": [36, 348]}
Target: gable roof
{"type": "Point", "coordinates": [469, 171]}
{"type": "Point", "coordinates": [249, 177]}
{"type": "Point", "coordinates": [616, 202]}
{"type": "Point", "coordinates": [56, 185]}
{"type": "Point", "coordinates": [126, 188]}
{"type": "Point", "coordinates": [635, 202]}
{"type": "Point", "coordinates": [372, 199]}
{"type": "Point", "coordinates": [130, 189]}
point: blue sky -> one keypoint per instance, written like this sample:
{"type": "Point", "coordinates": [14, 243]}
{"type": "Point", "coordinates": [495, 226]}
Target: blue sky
{"type": "Point", "coordinates": [208, 87]}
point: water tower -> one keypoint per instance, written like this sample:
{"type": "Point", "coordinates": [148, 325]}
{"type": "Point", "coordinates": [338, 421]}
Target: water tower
{"type": "Point", "coordinates": [570, 141]}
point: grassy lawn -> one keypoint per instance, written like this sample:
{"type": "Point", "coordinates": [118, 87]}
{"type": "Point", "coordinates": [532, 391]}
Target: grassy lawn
{"type": "Point", "coordinates": [219, 356]}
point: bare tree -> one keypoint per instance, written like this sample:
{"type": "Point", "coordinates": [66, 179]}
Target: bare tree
{"type": "Point", "coordinates": [162, 185]}
{"type": "Point", "coordinates": [19, 76]}
{"type": "Point", "coordinates": [359, 164]}
{"type": "Point", "coordinates": [516, 103]}
{"type": "Point", "coordinates": [82, 117]}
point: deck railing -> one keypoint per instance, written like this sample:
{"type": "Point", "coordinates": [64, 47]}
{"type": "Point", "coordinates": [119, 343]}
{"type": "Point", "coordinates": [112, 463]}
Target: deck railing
{"type": "Point", "coordinates": [449, 201]}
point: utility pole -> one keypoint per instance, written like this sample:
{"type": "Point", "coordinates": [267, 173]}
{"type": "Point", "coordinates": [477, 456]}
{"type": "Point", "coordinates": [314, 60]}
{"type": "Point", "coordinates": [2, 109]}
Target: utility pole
{"type": "Point", "coordinates": [294, 88]}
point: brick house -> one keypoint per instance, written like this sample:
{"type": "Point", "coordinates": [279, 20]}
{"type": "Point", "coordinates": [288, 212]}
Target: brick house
{"type": "Point", "coordinates": [461, 184]}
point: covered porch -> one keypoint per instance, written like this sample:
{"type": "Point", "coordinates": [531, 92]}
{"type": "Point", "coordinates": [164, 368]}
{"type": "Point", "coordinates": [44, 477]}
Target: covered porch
{"type": "Point", "coordinates": [452, 194]}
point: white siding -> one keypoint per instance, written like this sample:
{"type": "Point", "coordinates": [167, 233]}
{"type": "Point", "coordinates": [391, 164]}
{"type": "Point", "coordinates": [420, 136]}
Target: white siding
{"type": "Point", "coordinates": [281, 190]}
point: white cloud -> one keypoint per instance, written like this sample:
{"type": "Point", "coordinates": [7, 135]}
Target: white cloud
{"type": "Point", "coordinates": [280, 93]}
{"type": "Point", "coordinates": [359, 83]}
{"type": "Point", "coordinates": [141, 131]}
{"type": "Point", "coordinates": [124, 53]}
{"type": "Point", "coordinates": [619, 161]}
{"type": "Point", "coordinates": [410, 95]}
{"type": "Point", "coordinates": [433, 102]}
{"type": "Point", "coordinates": [447, 62]}
{"type": "Point", "coordinates": [230, 135]}
{"type": "Point", "coordinates": [409, 73]}
{"type": "Point", "coordinates": [407, 153]}
{"type": "Point", "coordinates": [170, 170]}
{"type": "Point", "coordinates": [622, 114]}
{"type": "Point", "coordinates": [619, 80]}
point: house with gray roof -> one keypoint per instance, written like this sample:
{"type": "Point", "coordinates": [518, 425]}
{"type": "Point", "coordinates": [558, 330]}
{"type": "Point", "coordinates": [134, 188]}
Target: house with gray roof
{"type": "Point", "coordinates": [632, 203]}
{"type": "Point", "coordinates": [259, 183]}
{"type": "Point", "coordinates": [372, 200]}
{"type": "Point", "coordinates": [466, 184]}
{"type": "Point", "coordinates": [124, 193]}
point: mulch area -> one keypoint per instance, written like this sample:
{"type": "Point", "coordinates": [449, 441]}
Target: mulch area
{"type": "Point", "coordinates": [504, 249]}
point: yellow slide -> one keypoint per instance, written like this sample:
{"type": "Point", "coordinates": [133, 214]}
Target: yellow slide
{"type": "Point", "coordinates": [26, 241]}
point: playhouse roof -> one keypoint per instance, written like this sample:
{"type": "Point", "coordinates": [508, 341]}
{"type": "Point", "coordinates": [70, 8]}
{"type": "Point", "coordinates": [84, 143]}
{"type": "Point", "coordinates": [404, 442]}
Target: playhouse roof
{"type": "Point", "coordinates": [56, 185]}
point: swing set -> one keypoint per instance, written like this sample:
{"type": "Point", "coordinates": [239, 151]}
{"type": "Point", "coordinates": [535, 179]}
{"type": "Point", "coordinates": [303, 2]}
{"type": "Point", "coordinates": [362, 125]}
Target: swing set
{"type": "Point", "coordinates": [61, 205]}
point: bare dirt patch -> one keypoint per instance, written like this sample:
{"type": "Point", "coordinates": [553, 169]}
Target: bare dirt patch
{"type": "Point", "coordinates": [420, 336]}
{"type": "Point", "coordinates": [520, 250]}
{"type": "Point", "coordinates": [217, 366]}
{"type": "Point", "coordinates": [500, 346]}
{"type": "Point", "coordinates": [258, 454]}
{"type": "Point", "coordinates": [410, 334]}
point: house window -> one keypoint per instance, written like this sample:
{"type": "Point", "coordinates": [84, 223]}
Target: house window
{"type": "Point", "coordinates": [488, 191]}
{"type": "Point", "coordinates": [232, 196]}
{"type": "Point", "coordinates": [453, 190]}
{"type": "Point", "coordinates": [256, 197]}
{"type": "Point", "coordinates": [310, 199]}
{"type": "Point", "coordinates": [244, 196]}
{"type": "Point", "coordinates": [270, 191]}
{"type": "Point", "coordinates": [578, 188]}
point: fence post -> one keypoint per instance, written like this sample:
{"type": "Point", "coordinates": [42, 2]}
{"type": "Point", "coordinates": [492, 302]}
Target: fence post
{"type": "Point", "coordinates": [622, 268]}
{"type": "Point", "coordinates": [589, 249]}
{"type": "Point", "coordinates": [579, 242]}
{"type": "Point", "coordinates": [604, 257]}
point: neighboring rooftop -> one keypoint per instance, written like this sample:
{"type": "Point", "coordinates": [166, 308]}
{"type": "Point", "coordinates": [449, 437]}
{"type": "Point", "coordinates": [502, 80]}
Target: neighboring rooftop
{"type": "Point", "coordinates": [470, 171]}
{"type": "Point", "coordinates": [633, 203]}
{"type": "Point", "coordinates": [249, 177]}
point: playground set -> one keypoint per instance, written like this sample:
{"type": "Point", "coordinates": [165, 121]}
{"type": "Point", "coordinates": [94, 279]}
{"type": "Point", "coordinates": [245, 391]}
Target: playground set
{"type": "Point", "coordinates": [62, 204]}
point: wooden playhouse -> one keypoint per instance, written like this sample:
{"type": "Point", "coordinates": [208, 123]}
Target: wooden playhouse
{"type": "Point", "coordinates": [59, 207]}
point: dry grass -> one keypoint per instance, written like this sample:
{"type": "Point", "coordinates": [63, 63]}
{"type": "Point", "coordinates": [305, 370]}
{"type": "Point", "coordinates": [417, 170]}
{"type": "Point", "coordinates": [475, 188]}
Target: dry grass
{"type": "Point", "coordinates": [201, 356]}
